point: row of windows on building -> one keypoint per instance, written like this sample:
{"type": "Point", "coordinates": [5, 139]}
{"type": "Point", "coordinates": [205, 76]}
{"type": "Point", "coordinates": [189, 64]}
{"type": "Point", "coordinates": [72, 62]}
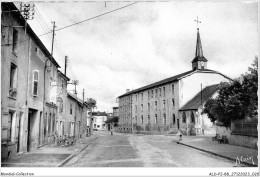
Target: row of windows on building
{"type": "Point", "coordinates": [125, 109]}
{"type": "Point", "coordinates": [164, 118]}
{"type": "Point", "coordinates": [156, 105]}
{"type": "Point", "coordinates": [35, 82]}
{"type": "Point", "coordinates": [13, 81]}
{"type": "Point", "coordinates": [154, 93]}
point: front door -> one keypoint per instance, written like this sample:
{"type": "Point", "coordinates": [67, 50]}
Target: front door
{"type": "Point", "coordinates": [19, 132]}
{"type": "Point", "coordinates": [40, 129]}
{"type": "Point", "coordinates": [29, 131]}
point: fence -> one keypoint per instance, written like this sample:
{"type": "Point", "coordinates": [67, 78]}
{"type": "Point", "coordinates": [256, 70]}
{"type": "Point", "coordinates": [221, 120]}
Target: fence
{"type": "Point", "coordinates": [245, 128]}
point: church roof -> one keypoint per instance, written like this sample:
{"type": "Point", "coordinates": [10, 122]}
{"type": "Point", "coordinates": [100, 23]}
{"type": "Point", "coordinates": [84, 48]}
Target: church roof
{"type": "Point", "coordinates": [199, 52]}
{"type": "Point", "coordinates": [172, 79]}
{"type": "Point", "coordinates": [200, 98]}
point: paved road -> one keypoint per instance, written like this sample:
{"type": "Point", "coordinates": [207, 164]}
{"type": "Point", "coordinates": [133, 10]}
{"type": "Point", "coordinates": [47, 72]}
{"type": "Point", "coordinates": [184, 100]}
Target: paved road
{"type": "Point", "coordinates": [124, 150]}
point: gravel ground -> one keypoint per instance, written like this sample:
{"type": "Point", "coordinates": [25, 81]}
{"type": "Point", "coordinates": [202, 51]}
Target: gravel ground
{"type": "Point", "coordinates": [124, 150]}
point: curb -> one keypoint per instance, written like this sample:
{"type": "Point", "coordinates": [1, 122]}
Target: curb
{"type": "Point", "coordinates": [71, 156]}
{"type": "Point", "coordinates": [213, 153]}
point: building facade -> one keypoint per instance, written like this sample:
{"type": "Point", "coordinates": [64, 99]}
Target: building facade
{"type": "Point", "coordinates": [99, 119]}
{"type": "Point", "coordinates": [24, 59]}
{"type": "Point", "coordinates": [61, 103]}
{"type": "Point", "coordinates": [33, 92]}
{"type": "Point", "coordinates": [155, 108]}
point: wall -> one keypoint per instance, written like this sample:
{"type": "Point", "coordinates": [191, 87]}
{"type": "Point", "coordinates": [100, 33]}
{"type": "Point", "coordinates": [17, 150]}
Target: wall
{"type": "Point", "coordinates": [245, 141]}
{"type": "Point", "coordinates": [194, 81]}
{"type": "Point", "coordinates": [16, 104]}
{"type": "Point", "coordinates": [99, 121]}
{"type": "Point", "coordinates": [141, 98]}
{"type": "Point", "coordinates": [71, 118]}
{"type": "Point", "coordinates": [238, 140]}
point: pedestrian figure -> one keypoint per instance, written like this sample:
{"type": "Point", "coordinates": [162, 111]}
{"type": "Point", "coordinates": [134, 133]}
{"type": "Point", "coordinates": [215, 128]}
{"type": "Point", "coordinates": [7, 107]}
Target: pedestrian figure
{"type": "Point", "coordinates": [179, 134]}
{"type": "Point", "coordinates": [111, 132]}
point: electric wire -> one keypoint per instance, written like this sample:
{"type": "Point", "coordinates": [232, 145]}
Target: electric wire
{"type": "Point", "coordinates": [84, 20]}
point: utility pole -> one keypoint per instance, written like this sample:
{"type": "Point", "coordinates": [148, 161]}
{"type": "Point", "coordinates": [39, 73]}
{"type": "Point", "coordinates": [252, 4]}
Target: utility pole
{"type": "Point", "coordinates": [52, 43]}
{"type": "Point", "coordinates": [66, 64]}
{"type": "Point", "coordinates": [75, 83]}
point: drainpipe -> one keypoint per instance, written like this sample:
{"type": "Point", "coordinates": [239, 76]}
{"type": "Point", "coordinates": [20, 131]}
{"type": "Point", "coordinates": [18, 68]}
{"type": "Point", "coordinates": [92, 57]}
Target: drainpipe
{"type": "Point", "coordinates": [44, 77]}
{"type": "Point", "coordinates": [27, 92]}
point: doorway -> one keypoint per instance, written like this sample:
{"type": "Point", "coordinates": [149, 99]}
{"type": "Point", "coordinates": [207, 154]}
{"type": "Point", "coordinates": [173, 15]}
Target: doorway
{"type": "Point", "coordinates": [40, 129]}
{"type": "Point", "coordinates": [178, 123]}
{"type": "Point", "coordinates": [19, 129]}
{"type": "Point", "coordinates": [30, 130]}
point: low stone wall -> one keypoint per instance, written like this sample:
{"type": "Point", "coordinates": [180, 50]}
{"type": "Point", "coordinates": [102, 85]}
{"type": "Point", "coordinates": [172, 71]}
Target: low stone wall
{"type": "Point", "coordinates": [245, 141]}
{"type": "Point", "coordinates": [238, 140]}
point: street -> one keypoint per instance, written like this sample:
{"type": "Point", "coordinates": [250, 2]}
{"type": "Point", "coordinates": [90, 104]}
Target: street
{"type": "Point", "coordinates": [126, 150]}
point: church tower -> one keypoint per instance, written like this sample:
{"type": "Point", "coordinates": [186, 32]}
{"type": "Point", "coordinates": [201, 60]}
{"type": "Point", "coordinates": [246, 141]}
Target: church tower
{"type": "Point", "coordinates": [199, 62]}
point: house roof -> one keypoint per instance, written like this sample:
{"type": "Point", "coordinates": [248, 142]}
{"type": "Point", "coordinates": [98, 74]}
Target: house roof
{"type": "Point", "coordinates": [172, 79]}
{"type": "Point", "coordinates": [63, 75]}
{"type": "Point", "coordinates": [75, 98]}
{"type": "Point", "coordinates": [99, 114]}
{"type": "Point", "coordinates": [20, 18]}
{"type": "Point", "coordinates": [200, 98]}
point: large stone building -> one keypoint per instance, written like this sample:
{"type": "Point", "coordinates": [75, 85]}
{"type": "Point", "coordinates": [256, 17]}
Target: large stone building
{"type": "Point", "coordinates": [155, 108]}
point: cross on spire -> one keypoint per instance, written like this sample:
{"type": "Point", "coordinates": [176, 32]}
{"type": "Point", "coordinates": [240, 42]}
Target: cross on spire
{"type": "Point", "coordinates": [197, 22]}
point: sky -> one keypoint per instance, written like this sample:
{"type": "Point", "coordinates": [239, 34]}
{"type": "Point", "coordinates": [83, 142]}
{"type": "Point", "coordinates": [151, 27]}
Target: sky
{"type": "Point", "coordinates": [145, 42]}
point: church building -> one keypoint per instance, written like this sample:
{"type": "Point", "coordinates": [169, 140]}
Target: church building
{"type": "Point", "coordinates": [171, 104]}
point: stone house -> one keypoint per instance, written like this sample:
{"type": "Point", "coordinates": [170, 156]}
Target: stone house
{"type": "Point", "coordinates": [61, 102]}
{"type": "Point", "coordinates": [99, 119]}
{"type": "Point", "coordinates": [71, 114]}
{"type": "Point", "coordinates": [76, 117]}
{"type": "Point", "coordinates": [155, 108]}
{"type": "Point", "coordinates": [23, 62]}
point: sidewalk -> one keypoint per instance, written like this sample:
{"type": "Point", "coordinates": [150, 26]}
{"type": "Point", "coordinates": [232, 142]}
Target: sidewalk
{"type": "Point", "coordinates": [237, 154]}
{"type": "Point", "coordinates": [48, 156]}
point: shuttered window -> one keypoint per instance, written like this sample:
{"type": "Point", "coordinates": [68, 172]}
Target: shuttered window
{"type": "Point", "coordinates": [35, 82]}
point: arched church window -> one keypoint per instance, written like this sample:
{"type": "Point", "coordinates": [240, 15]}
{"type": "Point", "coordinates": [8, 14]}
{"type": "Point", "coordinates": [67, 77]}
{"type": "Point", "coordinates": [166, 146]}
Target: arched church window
{"type": "Point", "coordinates": [192, 117]}
{"type": "Point", "coordinates": [183, 117]}
{"type": "Point", "coordinates": [173, 118]}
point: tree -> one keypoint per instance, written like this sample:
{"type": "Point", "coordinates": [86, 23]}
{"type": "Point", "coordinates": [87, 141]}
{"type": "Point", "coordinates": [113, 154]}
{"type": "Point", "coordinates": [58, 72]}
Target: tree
{"type": "Point", "coordinates": [91, 103]}
{"type": "Point", "coordinates": [236, 100]}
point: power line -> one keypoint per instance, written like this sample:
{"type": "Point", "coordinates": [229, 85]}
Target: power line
{"type": "Point", "coordinates": [96, 16]}
{"type": "Point", "coordinates": [83, 21]}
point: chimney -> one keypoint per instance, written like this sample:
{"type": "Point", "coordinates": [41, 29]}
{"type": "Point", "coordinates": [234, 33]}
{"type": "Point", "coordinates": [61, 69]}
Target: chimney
{"type": "Point", "coordinates": [127, 90]}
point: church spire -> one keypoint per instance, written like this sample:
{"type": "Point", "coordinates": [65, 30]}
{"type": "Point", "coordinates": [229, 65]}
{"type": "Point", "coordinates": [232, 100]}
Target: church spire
{"type": "Point", "coordinates": [199, 52]}
{"type": "Point", "coordinates": [199, 62]}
